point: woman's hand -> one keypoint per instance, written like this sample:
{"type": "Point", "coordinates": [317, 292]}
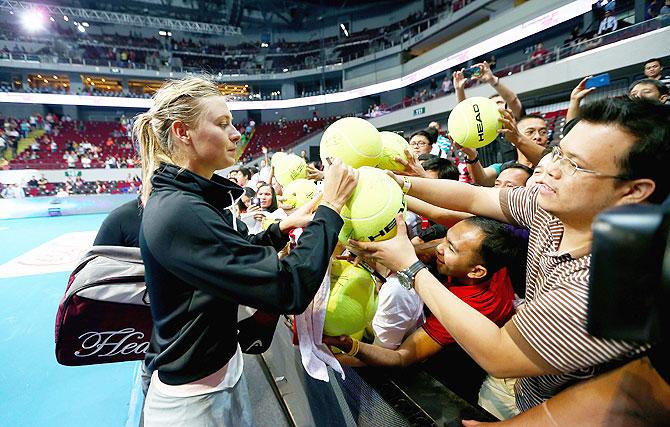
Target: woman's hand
{"type": "Point", "coordinates": [301, 216]}
{"type": "Point", "coordinates": [260, 216]}
{"type": "Point", "coordinates": [396, 254]}
{"type": "Point", "coordinates": [338, 183]}
{"type": "Point", "coordinates": [314, 174]}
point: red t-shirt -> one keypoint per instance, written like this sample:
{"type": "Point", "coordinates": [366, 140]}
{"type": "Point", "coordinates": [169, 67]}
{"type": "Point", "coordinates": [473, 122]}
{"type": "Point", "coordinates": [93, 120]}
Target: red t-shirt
{"type": "Point", "coordinates": [493, 298]}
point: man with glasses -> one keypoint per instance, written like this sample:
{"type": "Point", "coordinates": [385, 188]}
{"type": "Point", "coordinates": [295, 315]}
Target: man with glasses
{"type": "Point", "coordinates": [529, 135]}
{"type": "Point", "coordinates": [421, 142]}
{"type": "Point", "coordinates": [617, 154]}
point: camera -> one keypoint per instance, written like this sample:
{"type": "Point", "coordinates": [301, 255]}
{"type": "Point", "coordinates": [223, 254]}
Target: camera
{"type": "Point", "coordinates": [629, 281]}
{"type": "Point", "coordinates": [255, 201]}
{"type": "Point", "coordinates": [475, 71]}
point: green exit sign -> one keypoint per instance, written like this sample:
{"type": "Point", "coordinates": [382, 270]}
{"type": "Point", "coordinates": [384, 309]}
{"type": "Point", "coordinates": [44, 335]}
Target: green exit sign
{"type": "Point", "coordinates": [419, 111]}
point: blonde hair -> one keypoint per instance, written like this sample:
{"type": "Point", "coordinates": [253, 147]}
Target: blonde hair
{"type": "Point", "coordinates": [175, 100]}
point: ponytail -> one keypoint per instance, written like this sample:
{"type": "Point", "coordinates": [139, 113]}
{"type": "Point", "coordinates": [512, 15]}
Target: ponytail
{"type": "Point", "coordinates": [151, 151]}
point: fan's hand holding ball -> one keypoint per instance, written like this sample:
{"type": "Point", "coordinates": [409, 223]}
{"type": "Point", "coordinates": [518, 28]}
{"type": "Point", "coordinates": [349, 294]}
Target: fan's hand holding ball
{"type": "Point", "coordinates": [395, 254]}
{"type": "Point", "coordinates": [354, 141]}
{"type": "Point", "coordinates": [352, 302]}
{"type": "Point", "coordinates": [474, 122]}
{"type": "Point", "coordinates": [370, 214]}
{"type": "Point", "coordinates": [393, 146]}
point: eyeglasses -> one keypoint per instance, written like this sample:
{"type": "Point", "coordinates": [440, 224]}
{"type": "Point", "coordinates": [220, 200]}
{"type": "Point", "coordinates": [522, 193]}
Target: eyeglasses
{"type": "Point", "coordinates": [569, 167]}
{"type": "Point", "coordinates": [418, 143]}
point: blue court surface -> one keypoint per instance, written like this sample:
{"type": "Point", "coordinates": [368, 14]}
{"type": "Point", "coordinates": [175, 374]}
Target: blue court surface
{"type": "Point", "coordinates": [34, 389]}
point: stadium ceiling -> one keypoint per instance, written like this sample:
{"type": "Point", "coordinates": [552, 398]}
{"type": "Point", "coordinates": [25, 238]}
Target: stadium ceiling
{"type": "Point", "coordinates": [119, 18]}
{"type": "Point", "coordinates": [298, 14]}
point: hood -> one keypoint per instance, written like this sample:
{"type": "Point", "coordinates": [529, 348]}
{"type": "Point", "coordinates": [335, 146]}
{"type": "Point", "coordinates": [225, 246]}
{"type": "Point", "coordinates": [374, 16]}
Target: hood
{"type": "Point", "coordinates": [218, 191]}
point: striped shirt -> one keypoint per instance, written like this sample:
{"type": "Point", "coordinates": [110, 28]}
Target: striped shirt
{"type": "Point", "coordinates": [554, 318]}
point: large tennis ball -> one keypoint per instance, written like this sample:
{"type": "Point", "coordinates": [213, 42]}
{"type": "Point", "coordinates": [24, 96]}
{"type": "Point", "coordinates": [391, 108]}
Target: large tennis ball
{"type": "Point", "coordinates": [355, 141]}
{"type": "Point", "coordinates": [299, 192]}
{"type": "Point", "coordinates": [369, 214]}
{"type": "Point", "coordinates": [393, 145]}
{"type": "Point", "coordinates": [276, 158]}
{"type": "Point", "coordinates": [289, 168]}
{"type": "Point", "coordinates": [352, 293]}
{"type": "Point", "coordinates": [474, 122]}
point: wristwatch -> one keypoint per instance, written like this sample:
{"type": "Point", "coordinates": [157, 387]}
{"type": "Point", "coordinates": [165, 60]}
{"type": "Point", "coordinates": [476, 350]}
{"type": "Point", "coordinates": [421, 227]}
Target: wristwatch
{"type": "Point", "coordinates": [406, 276]}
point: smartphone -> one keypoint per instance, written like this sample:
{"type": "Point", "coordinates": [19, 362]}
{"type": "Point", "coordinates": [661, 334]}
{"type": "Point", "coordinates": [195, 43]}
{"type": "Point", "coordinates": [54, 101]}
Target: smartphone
{"type": "Point", "coordinates": [475, 71]}
{"type": "Point", "coordinates": [255, 201]}
{"type": "Point", "coordinates": [598, 81]}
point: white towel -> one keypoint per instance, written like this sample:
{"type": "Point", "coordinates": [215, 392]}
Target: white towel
{"type": "Point", "coordinates": [314, 354]}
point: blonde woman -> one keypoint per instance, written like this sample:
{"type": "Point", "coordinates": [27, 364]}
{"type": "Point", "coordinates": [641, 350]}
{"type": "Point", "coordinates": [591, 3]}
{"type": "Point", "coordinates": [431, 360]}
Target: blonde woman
{"type": "Point", "coordinates": [200, 263]}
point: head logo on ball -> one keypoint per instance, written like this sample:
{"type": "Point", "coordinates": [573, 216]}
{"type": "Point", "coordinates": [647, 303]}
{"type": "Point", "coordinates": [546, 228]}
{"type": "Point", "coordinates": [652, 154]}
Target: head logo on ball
{"type": "Point", "coordinates": [474, 122]}
{"type": "Point", "coordinates": [370, 213]}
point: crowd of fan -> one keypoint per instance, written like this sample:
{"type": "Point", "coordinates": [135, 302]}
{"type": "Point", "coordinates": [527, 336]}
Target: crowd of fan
{"type": "Point", "coordinates": [72, 186]}
{"type": "Point", "coordinates": [482, 262]}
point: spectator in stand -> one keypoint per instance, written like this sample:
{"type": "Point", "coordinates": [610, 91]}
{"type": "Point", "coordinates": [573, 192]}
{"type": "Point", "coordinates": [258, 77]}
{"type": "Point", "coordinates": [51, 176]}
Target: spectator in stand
{"type": "Point", "coordinates": [85, 162]}
{"type": "Point", "coordinates": [3, 147]}
{"type": "Point", "coordinates": [546, 344]}
{"type": "Point", "coordinates": [438, 168]}
{"type": "Point", "coordinates": [71, 159]}
{"type": "Point", "coordinates": [513, 175]}
{"type": "Point", "coordinates": [530, 137]}
{"type": "Point", "coordinates": [243, 177]}
{"type": "Point", "coordinates": [538, 56]}
{"type": "Point", "coordinates": [653, 69]}
{"type": "Point", "coordinates": [421, 142]}
{"type": "Point", "coordinates": [608, 24]}
{"type": "Point", "coordinates": [649, 89]}
{"type": "Point", "coordinates": [447, 85]}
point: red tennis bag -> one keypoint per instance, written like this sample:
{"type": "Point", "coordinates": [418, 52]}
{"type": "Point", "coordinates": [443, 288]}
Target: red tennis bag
{"type": "Point", "coordinates": [104, 315]}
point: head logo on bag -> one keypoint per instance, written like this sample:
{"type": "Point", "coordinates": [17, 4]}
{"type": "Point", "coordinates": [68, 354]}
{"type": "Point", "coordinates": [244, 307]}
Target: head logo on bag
{"type": "Point", "coordinates": [104, 315]}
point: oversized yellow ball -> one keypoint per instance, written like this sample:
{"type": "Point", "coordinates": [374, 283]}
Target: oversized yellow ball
{"type": "Point", "coordinates": [370, 213]}
{"type": "Point", "coordinates": [394, 146]}
{"type": "Point", "coordinates": [352, 301]}
{"type": "Point", "coordinates": [299, 192]}
{"type": "Point", "coordinates": [289, 168]}
{"type": "Point", "coordinates": [355, 141]}
{"type": "Point", "coordinates": [474, 122]}
{"type": "Point", "coordinates": [276, 158]}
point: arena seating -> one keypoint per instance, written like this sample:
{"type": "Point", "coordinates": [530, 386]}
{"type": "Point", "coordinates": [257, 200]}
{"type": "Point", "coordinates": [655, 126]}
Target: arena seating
{"type": "Point", "coordinates": [275, 138]}
{"type": "Point", "coordinates": [83, 188]}
{"type": "Point", "coordinates": [97, 133]}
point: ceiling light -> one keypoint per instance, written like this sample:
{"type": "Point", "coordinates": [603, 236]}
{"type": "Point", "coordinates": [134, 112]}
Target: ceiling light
{"type": "Point", "coordinates": [66, 18]}
{"type": "Point", "coordinates": [33, 20]}
{"type": "Point", "coordinates": [85, 24]}
{"type": "Point", "coordinates": [81, 29]}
